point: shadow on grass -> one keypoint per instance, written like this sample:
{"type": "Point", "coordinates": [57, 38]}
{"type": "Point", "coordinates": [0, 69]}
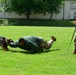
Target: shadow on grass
{"type": "Point", "coordinates": [27, 52]}
{"type": "Point", "coordinates": [55, 50]}
{"type": "Point", "coordinates": [46, 51]}
{"type": "Point", "coordinates": [23, 52]}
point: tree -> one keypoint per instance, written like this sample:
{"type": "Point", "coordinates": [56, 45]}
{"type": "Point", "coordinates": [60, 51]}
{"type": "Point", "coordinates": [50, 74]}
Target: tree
{"type": "Point", "coordinates": [25, 6]}
{"type": "Point", "coordinates": [50, 6]}
{"type": "Point", "coordinates": [1, 6]}
{"type": "Point", "coordinates": [40, 6]}
{"type": "Point", "coordinates": [37, 6]}
{"type": "Point", "coordinates": [54, 6]}
{"type": "Point", "coordinates": [20, 7]}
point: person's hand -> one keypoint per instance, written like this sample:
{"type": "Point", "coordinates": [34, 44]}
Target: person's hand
{"type": "Point", "coordinates": [74, 22]}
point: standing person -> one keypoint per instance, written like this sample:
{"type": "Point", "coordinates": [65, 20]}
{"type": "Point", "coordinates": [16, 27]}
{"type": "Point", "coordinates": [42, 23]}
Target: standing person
{"type": "Point", "coordinates": [74, 38]}
{"type": "Point", "coordinates": [74, 45]}
{"type": "Point", "coordinates": [33, 44]}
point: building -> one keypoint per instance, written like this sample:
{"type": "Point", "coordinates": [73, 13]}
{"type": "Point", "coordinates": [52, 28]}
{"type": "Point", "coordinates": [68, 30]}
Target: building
{"type": "Point", "coordinates": [68, 11]}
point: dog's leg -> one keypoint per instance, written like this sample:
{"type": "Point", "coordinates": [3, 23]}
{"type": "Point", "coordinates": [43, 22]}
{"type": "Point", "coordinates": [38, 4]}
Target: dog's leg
{"type": "Point", "coordinates": [5, 48]}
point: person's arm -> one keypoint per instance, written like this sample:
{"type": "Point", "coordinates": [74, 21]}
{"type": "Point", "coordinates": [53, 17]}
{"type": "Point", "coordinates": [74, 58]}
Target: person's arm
{"type": "Point", "coordinates": [13, 44]}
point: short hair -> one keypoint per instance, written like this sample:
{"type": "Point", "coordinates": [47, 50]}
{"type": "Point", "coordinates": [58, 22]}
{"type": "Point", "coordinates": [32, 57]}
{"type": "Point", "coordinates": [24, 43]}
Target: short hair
{"type": "Point", "coordinates": [21, 39]}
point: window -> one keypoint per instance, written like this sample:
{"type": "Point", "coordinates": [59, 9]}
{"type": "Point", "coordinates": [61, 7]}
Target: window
{"type": "Point", "coordinates": [72, 5]}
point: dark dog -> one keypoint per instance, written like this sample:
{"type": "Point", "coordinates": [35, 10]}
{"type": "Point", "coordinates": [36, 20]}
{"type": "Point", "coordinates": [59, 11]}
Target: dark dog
{"type": "Point", "coordinates": [4, 43]}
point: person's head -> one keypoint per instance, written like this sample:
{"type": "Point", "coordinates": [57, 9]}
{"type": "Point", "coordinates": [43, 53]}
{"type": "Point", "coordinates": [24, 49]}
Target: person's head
{"type": "Point", "coordinates": [21, 41]}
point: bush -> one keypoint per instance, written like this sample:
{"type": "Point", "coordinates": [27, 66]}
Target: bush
{"type": "Point", "coordinates": [38, 22]}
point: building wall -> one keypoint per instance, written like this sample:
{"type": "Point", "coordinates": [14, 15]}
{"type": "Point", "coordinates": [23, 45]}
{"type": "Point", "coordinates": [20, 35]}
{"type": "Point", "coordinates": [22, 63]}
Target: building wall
{"type": "Point", "coordinates": [68, 13]}
{"type": "Point", "coordinates": [67, 10]}
{"type": "Point", "coordinates": [33, 16]}
{"type": "Point", "coordinates": [11, 15]}
{"type": "Point", "coordinates": [58, 16]}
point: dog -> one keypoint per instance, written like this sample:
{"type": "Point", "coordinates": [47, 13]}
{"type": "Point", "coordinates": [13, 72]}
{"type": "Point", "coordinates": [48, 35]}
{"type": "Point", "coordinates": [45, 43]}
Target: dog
{"type": "Point", "coordinates": [4, 43]}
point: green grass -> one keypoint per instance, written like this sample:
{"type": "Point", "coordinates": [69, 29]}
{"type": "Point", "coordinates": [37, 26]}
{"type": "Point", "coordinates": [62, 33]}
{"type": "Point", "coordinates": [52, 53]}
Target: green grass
{"type": "Point", "coordinates": [58, 61]}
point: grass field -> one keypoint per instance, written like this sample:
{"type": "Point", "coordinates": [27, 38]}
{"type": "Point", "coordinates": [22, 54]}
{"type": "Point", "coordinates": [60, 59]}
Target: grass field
{"type": "Point", "coordinates": [58, 61]}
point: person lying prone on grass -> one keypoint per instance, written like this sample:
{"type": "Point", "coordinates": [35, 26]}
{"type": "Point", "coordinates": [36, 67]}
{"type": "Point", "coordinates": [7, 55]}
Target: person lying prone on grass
{"type": "Point", "coordinates": [33, 44]}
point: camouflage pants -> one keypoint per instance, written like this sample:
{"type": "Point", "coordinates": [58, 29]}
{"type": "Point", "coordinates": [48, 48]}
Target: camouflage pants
{"type": "Point", "coordinates": [45, 45]}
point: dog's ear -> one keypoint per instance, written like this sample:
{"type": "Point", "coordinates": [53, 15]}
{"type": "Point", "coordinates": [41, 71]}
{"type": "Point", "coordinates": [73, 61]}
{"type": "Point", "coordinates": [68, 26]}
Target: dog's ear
{"type": "Point", "coordinates": [9, 40]}
{"type": "Point", "coordinates": [4, 43]}
{"type": "Point", "coordinates": [3, 39]}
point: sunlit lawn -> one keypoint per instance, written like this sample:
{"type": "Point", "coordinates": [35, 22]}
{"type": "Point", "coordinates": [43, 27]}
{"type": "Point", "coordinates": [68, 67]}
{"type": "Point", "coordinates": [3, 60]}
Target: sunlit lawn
{"type": "Point", "coordinates": [58, 61]}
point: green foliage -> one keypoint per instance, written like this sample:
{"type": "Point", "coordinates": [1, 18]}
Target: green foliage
{"type": "Point", "coordinates": [1, 0]}
{"type": "Point", "coordinates": [57, 61]}
{"type": "Point", "coordinates": [1, 5]}
{"type": "Point", "coordinates": [40, 6]}
{"type": "Point", "coordinates": [54, 6]}
{"type": "Point", "coordinates": [24, 22]}
{"type": "Point", "coordinates": [1, 9]}
{"type": "Point", "coordinates": [26, 7]}
{"type": "Point", "coordinates": [20, 7]}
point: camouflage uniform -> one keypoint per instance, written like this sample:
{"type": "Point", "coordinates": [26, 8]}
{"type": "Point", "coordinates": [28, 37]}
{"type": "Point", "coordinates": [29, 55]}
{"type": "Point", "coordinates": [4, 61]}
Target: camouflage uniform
{"type": "Point", "coordinates": [74, 45]}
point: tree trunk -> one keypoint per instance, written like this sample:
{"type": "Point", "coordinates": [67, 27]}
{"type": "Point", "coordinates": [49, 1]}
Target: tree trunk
{"type": "Point", "coordinates": [51, 16]}
{"type": "Point", "coordinates": [28, 13]}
